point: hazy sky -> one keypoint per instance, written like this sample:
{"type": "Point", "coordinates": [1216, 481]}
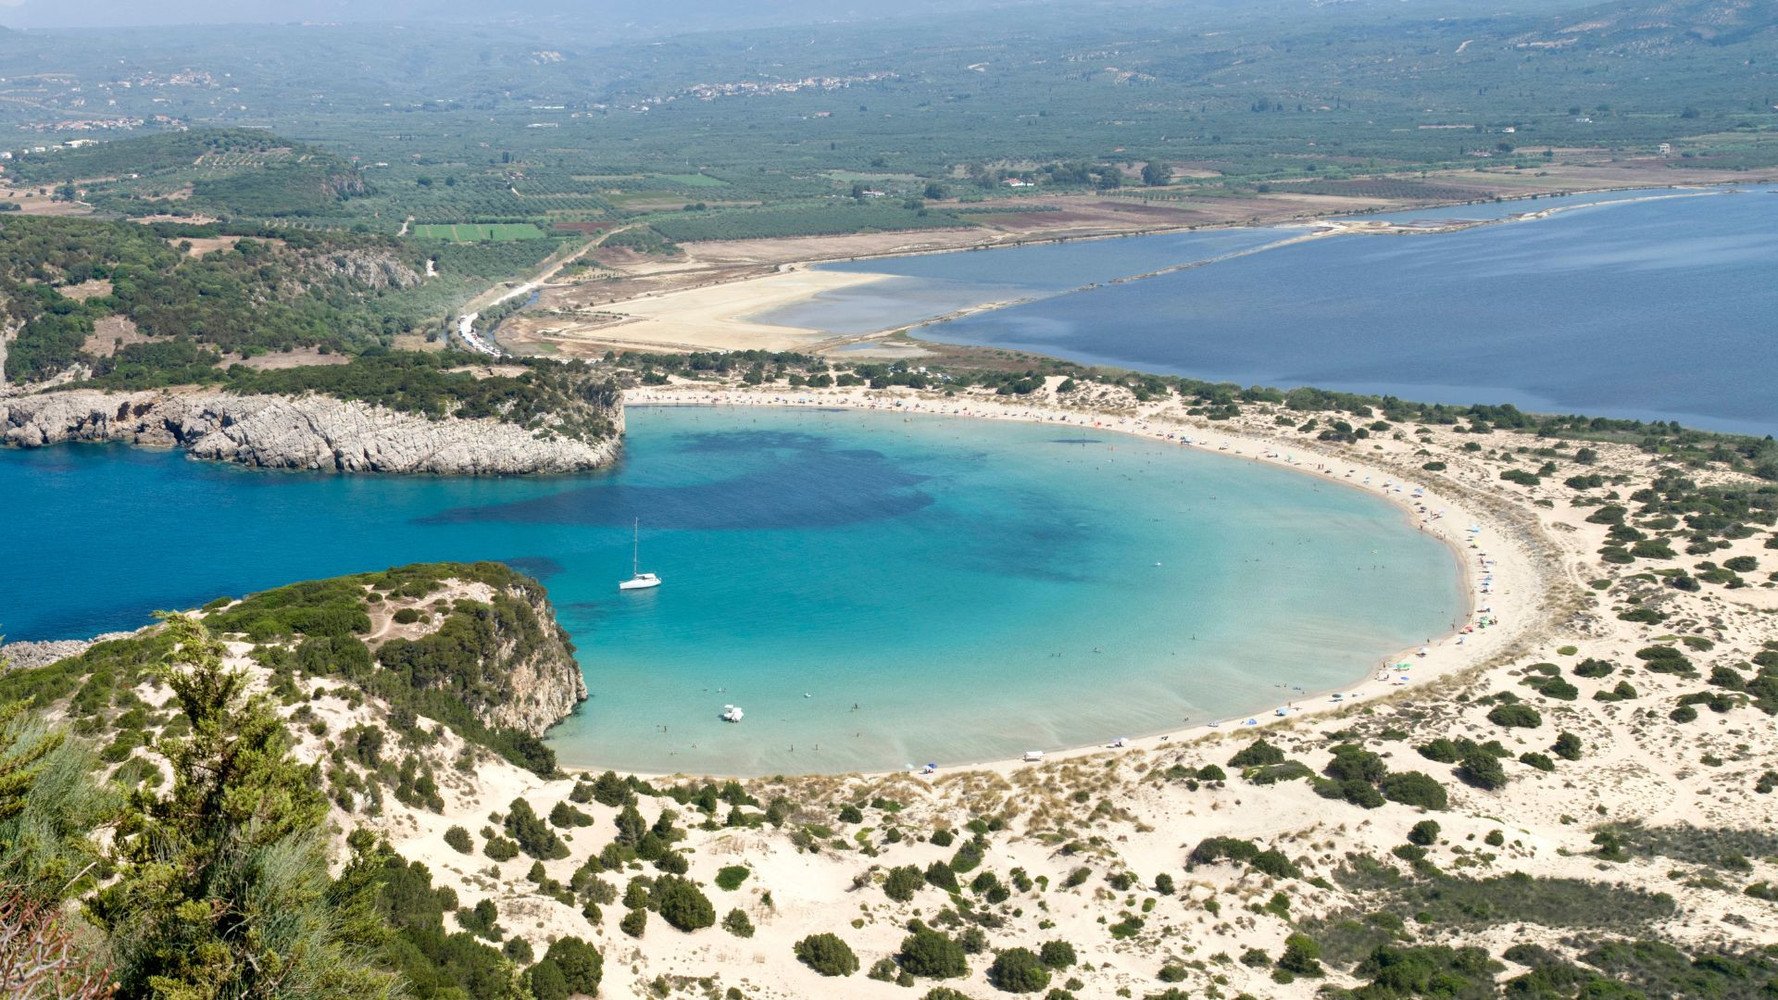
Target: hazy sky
{"type": "Point", "coordinates": [676, 15]}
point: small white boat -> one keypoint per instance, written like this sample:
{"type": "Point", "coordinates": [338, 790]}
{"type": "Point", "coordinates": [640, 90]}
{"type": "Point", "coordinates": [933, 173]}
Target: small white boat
{"type": "Point", "coordinates": [732, 713]}
{"type": "Point", "coordinates": [1033, 756]}
{"type": "Point", "coordinates": [638, 580]}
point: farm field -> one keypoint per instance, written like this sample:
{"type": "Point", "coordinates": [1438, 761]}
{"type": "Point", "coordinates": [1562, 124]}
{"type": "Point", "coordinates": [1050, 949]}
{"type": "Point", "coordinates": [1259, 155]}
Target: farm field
{"type": "Point", "coordinates": [695, 180]}
{"type": "Point", "coordinates": [471, 232]}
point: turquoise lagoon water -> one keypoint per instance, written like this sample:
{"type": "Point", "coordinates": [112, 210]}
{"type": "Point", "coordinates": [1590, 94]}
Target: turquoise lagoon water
{"type": "Point", "coordinates": [974, 588]}
{"type": "Point", "coordinates": [1615, 306]}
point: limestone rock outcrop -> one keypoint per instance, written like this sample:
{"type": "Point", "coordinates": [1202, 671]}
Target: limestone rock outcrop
{"type": "Point", "coordinates": [303, 432]}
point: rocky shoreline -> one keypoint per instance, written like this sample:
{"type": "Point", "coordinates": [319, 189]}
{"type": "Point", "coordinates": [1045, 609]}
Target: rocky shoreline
{"type": "Point", "coordinates": [25, 655]}
{"type": "Point", "coordinates": [309, 432]}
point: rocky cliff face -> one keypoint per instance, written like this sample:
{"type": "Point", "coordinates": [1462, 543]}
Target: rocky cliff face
{"type": "Point", "coordinates": [538, 682]}
{"type": "Point", "coordinates": [305, 432]}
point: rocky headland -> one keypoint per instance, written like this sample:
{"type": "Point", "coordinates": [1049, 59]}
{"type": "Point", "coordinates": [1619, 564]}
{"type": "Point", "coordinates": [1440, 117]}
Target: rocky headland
{"type": "Point", "coordinates": [314, 432]}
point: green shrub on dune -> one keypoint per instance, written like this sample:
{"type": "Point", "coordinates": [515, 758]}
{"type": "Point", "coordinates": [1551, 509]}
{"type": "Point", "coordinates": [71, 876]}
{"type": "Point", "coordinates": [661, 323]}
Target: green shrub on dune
{"type": "Point", "coordinates": [826, 954]}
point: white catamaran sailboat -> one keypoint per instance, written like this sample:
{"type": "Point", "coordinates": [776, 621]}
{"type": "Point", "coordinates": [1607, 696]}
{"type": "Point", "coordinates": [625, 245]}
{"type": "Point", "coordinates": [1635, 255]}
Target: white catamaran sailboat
{"type": "Point", "coordinates": [638, 580]}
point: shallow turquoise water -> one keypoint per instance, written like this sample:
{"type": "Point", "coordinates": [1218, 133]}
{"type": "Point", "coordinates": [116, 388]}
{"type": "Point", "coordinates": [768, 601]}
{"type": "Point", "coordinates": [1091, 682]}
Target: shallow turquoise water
{"type": "Point", "coordinates": [974, 588]}
{"type": "Point", "coordinates": [1573, 313]}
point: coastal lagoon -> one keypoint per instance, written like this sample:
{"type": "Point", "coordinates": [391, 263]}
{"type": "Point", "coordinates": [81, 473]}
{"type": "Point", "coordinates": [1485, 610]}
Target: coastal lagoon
{"type": "Point", "coordinates": [1581, 311]}
{"type": "Point", "coordinates": [874, 590]}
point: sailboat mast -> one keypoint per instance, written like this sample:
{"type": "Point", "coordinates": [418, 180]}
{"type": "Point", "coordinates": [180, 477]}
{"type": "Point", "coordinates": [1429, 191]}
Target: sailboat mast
{"type": "Point", "coordinates": [636, 547]}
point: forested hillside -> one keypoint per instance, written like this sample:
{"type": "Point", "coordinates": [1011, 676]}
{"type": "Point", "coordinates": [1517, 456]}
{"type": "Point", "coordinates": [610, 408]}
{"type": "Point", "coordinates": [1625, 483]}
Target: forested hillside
{"type": "Point", "coordinates": [63, 278]}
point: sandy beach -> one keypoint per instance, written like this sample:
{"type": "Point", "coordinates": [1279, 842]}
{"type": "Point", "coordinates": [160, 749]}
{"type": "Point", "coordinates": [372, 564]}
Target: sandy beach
{"type": "Point", "coordinates": [1504, 581]}
{"type": "Point", "coordinates": [712, 317]}
{"type": "Point", "coordinates": [1095, 827]}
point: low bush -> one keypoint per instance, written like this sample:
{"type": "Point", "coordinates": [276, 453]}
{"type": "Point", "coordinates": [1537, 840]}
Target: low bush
{"type": "Point", "coordinates": [1515, 716]}
{"type": "Point", "coordinates": [1057, 954]}
{"type": "Point", "coordinates": [731, 876]}
{"type": "Point", "coordinates": [1440, 750]}
{"type": "Point", "coordinates": [634, 922]}
{"type": "Point", "coordinates": [1018, 970]}
{"type": "Point", "coordinates": [682, 904]}
{"type": "Point", "coordinates": [1352, 762]}
{"type": "Point", "coordinates": [738, 924]}
{"type": "Point", "coordinates": [1272, 862]}
{"type": "Point", "coordinates": [581, 965]}
{"type": "Point", "coordinates": [500, 849]}
{"type": "Point", "coordinates": [902, 883]}
{"type": "Point", "coordinates": [564, 816]}
{"type": "Point", "coordinates": [1666, 660]}
{"type": "Point", "coordinates": [827, 955]}
{"type": "Point", "coordinates": [931, 955]}
{"type": "Point", "coordinates": [1552, 687]}
{"type": "Point", "coordinates": [1483, 770]}
{"type": "Point", "coordinates": [1414, 788]}
{"type": "Point", "coordinates": [1302, 956]}
{"type": "Point", "coordinates": [1271, 774]}
{"type": "Point", "coordinates": [1257, 754]}
{"type": "Point", "coordinates": [533, 836]}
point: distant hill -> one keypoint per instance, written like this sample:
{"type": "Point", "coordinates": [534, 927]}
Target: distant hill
{"type": "Point", "coordinates": [630, 17]}
{"type": "Point", "coordinates": [1650, 28]}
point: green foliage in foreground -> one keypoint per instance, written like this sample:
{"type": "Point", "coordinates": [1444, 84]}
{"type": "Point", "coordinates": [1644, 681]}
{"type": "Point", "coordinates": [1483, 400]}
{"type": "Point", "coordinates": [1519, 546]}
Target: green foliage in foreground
{"type": "Point", "coordinates": [222, 886]}
{"type": "Point", "coordinates": [48, 806]}
{"type": "Point", "coordinates": [435, 965]}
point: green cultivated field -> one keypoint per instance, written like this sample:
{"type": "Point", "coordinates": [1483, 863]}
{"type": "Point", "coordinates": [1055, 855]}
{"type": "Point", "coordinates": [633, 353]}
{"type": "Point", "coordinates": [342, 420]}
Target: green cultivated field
{"type": "Point", "coordinates": [695, 180]}
{"type": "Point", "coordinates": [467, 232]}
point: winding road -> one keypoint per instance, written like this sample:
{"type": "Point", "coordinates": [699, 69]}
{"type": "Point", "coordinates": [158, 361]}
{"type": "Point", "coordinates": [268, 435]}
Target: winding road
{"type": "Point", "coordinates": [480, 344]}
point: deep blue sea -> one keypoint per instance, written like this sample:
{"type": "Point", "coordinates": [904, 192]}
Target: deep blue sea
{"type": "Point", "coordinates": [1625, 305]}
{"type": "Point", "coordinates": [874, 591]}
